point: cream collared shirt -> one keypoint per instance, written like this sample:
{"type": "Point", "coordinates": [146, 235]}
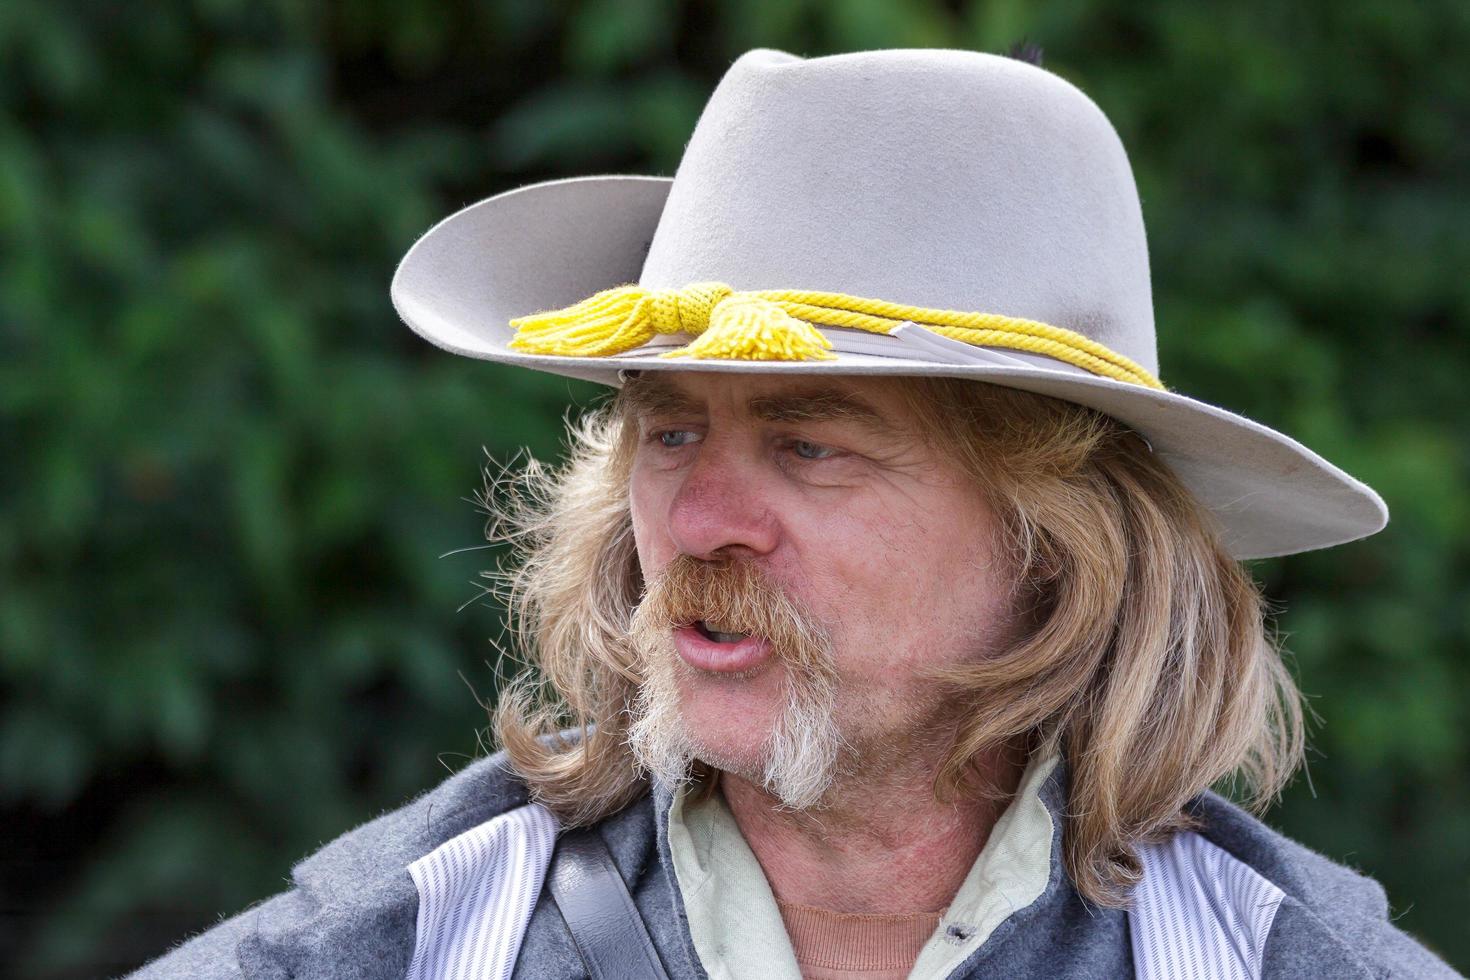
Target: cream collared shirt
{"type": "Point", "coordinates": [737, 928]}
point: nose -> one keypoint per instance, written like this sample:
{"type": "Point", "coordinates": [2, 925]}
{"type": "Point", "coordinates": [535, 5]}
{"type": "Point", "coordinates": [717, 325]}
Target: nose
{"type": "Point", "coordinates": [723, 507]}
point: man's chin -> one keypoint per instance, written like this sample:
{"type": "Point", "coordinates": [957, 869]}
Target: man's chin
{"type": "Point", "coordinates": [744, 761]}
{"type": "Point", "coordinates": [786, 743]}
{"type": "Point", "coordinates": [731, 742]}
{"type": "Point", "coordinates": [795, 767]}
{"type": "Point", "coordinates": [667, 746]}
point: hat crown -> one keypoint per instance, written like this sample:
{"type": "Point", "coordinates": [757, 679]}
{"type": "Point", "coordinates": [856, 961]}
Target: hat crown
{"type": "Point", "coordinates": [937, 178]}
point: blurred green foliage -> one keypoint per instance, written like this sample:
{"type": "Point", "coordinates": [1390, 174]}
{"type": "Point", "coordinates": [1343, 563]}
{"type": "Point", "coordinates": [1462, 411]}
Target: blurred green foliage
{"type": "Point", "coordinates": [229, 473]}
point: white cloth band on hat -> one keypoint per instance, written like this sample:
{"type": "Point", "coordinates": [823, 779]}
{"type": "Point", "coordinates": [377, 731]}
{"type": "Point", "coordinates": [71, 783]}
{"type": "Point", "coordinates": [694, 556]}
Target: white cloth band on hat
{"type": "Point", "coordinates": [908, 341]}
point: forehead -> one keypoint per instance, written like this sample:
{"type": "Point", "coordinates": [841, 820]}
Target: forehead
{"type": "Point", "coordinates": [874, 402]}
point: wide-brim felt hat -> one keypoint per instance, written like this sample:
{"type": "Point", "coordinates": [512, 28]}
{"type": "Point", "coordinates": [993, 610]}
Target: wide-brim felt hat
{"type": "Point", "coordinates": [923, 195]}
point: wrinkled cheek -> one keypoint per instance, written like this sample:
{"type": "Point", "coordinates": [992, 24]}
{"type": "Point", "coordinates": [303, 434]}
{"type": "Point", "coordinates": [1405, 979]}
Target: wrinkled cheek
{"type": "Point", "coordinates": [649, 538]}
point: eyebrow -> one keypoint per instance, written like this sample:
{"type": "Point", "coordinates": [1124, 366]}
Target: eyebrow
{"type": "Point", "coordinates": [818, 405]}
{"type": "Point", "coordinates": [651, 396]}
{"type": "Point", "coordinates": [645, 396]}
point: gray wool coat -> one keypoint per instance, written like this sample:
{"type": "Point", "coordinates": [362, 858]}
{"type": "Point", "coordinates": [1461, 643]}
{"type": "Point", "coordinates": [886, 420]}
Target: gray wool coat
{"type": "Point", "coordinates": [352, 911]}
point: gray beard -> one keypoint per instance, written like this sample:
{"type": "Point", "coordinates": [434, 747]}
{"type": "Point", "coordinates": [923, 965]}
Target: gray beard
{"type": "Point", "coordinates": [799, 761]}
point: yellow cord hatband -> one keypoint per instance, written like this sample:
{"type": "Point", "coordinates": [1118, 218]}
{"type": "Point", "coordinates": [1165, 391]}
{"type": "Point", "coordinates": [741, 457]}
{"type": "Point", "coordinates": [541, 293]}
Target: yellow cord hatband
{"type": "Point", "coordinates": [780, 325]}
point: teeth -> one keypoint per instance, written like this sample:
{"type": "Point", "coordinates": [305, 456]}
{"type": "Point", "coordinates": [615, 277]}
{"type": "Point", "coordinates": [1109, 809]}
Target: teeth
{"type": "Point", "coordinates": [721, 635]}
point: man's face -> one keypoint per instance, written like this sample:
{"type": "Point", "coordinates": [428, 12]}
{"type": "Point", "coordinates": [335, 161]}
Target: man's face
{"type": "Point", "coordinates": [843, 524]}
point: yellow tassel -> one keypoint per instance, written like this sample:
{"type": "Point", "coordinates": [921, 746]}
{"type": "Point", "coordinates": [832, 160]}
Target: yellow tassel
{"type": "Point", "coordinates": [746, 328]}
{"type": "Point", "coordinates": [618, 319]}
{"type": "Point", "coordinates": [608, 322]}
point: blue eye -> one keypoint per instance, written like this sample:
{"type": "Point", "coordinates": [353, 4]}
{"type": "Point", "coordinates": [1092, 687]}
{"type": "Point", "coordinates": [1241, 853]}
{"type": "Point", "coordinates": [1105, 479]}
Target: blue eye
{"type": "Point", "coordinates": [673, 438]}
{"type": "Point", "coordinates": [810, 450]}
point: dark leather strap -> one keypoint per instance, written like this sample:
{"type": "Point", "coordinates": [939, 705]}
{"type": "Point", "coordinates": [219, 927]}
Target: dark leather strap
{"type": "Point", "coordinates": [598, 910]}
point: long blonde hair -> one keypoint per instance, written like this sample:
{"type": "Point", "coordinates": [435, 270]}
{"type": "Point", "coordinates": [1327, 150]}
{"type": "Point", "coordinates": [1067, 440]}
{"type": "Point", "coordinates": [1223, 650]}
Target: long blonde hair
{"type": "Point", "coordinates": [1146, 660]}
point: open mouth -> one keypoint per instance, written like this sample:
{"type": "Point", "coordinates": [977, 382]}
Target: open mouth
{"type": "Point", "coordinates": [718, 632]}
{"type": "Point", "coordinates": [719, 648]}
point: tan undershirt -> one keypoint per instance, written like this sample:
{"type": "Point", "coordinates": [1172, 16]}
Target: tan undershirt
{"type": "Point", "coordinates": [842, 946]}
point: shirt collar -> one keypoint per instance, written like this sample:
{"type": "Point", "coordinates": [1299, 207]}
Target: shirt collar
{"type": "Point", "coordinates": [726, 895]}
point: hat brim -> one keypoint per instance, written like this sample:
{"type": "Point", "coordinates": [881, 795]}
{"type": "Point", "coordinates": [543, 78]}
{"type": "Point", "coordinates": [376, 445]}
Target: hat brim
{"type": "Point", "coordinates": [547, 245]}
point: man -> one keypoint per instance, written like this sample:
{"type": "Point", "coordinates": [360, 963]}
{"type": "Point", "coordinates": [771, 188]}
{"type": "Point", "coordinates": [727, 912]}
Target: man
{"type": "Point", "coordinates": [889, 621]}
